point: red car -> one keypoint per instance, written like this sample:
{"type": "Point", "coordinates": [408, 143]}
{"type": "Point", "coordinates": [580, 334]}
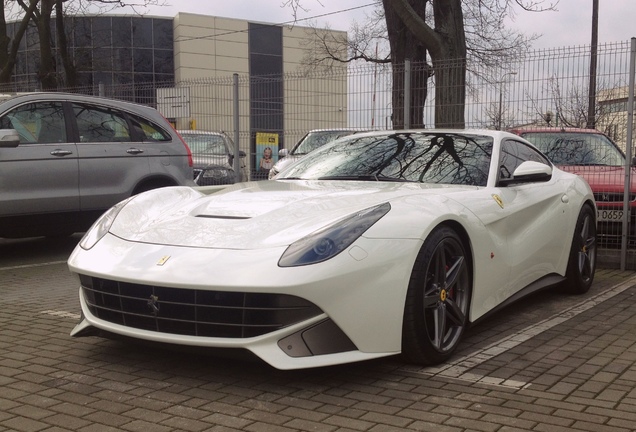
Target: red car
{"type": "Point", "coordinates": [595, 157]}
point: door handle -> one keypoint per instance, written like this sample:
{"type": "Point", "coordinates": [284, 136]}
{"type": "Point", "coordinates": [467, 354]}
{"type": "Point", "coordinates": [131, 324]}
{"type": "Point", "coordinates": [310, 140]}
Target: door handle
{"type": "Point", "coordinates": [134, 151]}
{"type": "Point", "coordinates": [61, 152]}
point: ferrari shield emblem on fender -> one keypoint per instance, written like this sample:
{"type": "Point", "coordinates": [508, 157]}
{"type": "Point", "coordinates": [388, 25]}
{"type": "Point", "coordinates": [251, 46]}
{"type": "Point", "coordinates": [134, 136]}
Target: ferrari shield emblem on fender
{"type": "Point", "coordinates": [163, 260]}
{"type": "Point", "coordinates": [498, 199]}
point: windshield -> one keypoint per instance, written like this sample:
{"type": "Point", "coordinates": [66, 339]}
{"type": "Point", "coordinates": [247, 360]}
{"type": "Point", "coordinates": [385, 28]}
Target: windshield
{"type": "Point", "coordinates": [206, 144]}
{"type": "Point", "coordinates": [316, 139]}
{"type": "Point", "coordinates": [414, 156]}
{"type": "Point", "coordinates": [575, 148]}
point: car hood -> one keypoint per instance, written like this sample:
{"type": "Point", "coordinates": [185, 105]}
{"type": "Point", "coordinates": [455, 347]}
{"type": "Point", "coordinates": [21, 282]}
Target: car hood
{"type": "Point", "coordinates": [252, 215]}
{"type": "Point", "coordinates": [602, 178]}
{"type": "Point", "coordinates": [202, 160]}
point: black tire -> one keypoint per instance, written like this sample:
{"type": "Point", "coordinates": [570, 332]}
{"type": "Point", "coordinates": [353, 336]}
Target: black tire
{"type": "Point", "coordinates": [582, 261]}
{"type": "Point", "coordinates": [437, 301]}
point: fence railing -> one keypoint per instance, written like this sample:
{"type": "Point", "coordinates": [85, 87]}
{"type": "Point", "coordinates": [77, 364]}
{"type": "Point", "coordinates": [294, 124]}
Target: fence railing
{"type": "Point", "coordinates": [543, 89]}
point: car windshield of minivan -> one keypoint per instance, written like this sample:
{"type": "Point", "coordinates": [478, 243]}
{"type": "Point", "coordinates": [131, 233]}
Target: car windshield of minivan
{"type": "Point", "coordinates": [205, 144]}
{"type": "Point", "coordinates": [572, 148]}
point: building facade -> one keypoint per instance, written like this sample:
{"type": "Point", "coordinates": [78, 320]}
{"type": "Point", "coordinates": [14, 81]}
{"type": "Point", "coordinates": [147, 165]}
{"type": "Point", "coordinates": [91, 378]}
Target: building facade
{"type": "Point", "coordinates": [191, 59]}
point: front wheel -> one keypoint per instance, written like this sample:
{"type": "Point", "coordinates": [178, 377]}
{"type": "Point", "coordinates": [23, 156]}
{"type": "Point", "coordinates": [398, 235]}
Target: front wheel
{"type": "Point", "coordinates": [436, 309]}
{"type": "Point", "coordinates": [582, 261]}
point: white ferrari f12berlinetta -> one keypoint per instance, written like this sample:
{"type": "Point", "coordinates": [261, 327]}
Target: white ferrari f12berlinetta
{"type": "Point", "coordinates": [377, 244]}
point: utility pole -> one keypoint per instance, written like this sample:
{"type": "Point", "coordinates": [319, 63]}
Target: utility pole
{"type": "Point", "coordinates": [591, 106]}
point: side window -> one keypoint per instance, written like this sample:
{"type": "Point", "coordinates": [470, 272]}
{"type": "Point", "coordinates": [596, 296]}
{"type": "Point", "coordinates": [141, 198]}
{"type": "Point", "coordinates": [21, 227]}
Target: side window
{"type": "Point", "coordinates": [37, 123]}
{"type": "Point", "coordinates": [100, 124]}
{"type": "Point", "coordinates": [148, 130]}
{"type": "Point", "coordinates": [513, 154]}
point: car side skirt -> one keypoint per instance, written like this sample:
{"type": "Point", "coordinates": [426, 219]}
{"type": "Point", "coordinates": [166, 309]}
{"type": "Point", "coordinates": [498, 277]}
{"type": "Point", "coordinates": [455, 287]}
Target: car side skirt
{"type": "Point", "coordinates": [545, 282]}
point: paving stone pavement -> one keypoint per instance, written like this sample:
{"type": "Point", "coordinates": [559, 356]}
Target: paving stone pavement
{"type": "Point", "coordinates": [552, 363]}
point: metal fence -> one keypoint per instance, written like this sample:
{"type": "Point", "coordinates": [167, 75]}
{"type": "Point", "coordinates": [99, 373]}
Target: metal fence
{"type": "Point", "coordinates": [543, 91]}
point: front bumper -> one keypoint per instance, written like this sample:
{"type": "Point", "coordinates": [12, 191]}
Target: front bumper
{"type": "Point", "coordinates": [610, 224]}
{"type": "Point", "coordinates": [213, 175]}
{"type": "Point", "coordinates": [352, 305]}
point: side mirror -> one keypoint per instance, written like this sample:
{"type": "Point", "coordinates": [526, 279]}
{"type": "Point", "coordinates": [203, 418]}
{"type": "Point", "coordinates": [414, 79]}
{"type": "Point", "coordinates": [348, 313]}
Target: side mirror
{"type": "Point", "coordinates": [9, 138]}
{"type": "Point", "coordinates": [230, 156]}
{"type": "Point", "coordinates": [529, 172]}
{"type": "Point", "coordinates": [282, 153]}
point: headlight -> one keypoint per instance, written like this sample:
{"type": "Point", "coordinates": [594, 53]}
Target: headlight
{"type": "Point", "coordinates": [330, 241]}
{"type": "Point", "coordinates": [272, 172]}
{"type": "Point", "coordinates": [216, 173]}
{"type": "Point", "coordinates": [102, 225]}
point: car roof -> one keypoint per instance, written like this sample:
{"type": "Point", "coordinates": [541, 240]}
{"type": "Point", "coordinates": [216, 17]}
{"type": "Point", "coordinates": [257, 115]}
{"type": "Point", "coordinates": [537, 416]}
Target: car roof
{"type": "Point", "coordinates": [483, 132]}
{"type": "Point", "coordinates": [555, 130]}
{"type": "Point", "coordinates": [199, 132]}
{"type": "Point", "coordinates": [334, 130]}
{"type": "Point", "coordinates": [65, 96]}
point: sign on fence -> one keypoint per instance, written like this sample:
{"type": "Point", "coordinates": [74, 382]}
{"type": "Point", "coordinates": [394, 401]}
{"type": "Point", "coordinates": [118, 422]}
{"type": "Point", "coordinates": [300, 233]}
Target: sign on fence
{"type": "Point", "coordinates": [174, 102]}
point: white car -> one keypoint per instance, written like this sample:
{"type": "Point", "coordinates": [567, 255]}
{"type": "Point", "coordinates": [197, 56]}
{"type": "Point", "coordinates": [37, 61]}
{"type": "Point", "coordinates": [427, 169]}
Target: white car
{"type": "Point", "coordinates": [213, 157]}
{"type": "Point", "coordinates": [313, 140]}
{"type": "Point", "coordinates": [379, 244]}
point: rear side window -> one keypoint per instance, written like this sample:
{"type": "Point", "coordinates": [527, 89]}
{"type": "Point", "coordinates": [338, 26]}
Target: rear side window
{"type": "Point", "coordinates": [149, 130]}
{"type": "Point", "coordinates": [41, 122]}
{"type": "Point", "coordinates": [100, 124]}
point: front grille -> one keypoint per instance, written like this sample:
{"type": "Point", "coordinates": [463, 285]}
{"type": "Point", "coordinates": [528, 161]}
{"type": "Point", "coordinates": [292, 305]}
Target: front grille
{"type": "Point", "coordinates": [193, 312]}
{"type": "Point", "coordinates": [612, 196]}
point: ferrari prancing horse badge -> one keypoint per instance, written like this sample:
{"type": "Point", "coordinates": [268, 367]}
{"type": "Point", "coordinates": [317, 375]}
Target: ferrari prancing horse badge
{"type": "Point", "coordinates": [498, 199]}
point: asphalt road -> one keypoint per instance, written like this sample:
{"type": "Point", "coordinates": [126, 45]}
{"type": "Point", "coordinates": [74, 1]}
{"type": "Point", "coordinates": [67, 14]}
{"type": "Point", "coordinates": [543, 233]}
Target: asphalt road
{"type": "Point", "coordinates": [551, 362]}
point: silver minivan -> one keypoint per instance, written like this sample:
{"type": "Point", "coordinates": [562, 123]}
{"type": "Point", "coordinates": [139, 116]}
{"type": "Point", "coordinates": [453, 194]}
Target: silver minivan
{"type": "Point", "coordinates": [65, 159]}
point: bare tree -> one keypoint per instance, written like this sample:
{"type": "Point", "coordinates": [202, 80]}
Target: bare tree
{"type": "Point", "coordinates": [42, 18]}
{"type": "Point", "coordinates": [452, 34]}
{"type": "Point", "coordinates": [382, 39]}
{"type": "Point", "coordinates": [495, 116]}
{"type": "Point", "coordinates": [48, 74]}
{"type": "Point", "coordinates": [571, 106]}
{"type": "Point", "coordinates": [9, 46]}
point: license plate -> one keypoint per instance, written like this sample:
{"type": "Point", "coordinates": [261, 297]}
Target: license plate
{"type": "Point", "coordinates": [610, 215]}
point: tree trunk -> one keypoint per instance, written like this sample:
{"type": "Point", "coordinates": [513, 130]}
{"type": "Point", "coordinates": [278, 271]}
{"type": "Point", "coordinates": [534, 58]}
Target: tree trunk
{"type": "Point", "coordinates": [4, 39]}
{"type": "Point", "coordinates": [46, 73]}
{"type": "Point", "coordinates": [404, 46]}
{"type": "Point", "coordinates": [9, 48]}
{"type": "Point", "coordinates": [70, 71]}
{"type": "Point", "coordinates": [447, 47]}
{"type": "Point", "coordinates": [450, 66]}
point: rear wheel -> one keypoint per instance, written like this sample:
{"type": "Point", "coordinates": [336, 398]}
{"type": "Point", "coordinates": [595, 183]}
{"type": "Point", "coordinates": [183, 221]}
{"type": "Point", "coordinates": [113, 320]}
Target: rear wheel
{"type": "Point", "coordinates": [152, 184]}
{"type": "Point", "coordinates": [436, 310]}
{"type": "Point", "coordinates": [582, 261]}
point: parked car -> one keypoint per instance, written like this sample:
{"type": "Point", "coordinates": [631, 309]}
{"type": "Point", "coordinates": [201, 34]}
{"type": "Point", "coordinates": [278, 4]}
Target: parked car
{"type": "Point", "coordinates": [213, 154]}
{"type": "Point", "coordinates": [595, 157]}
{"type": "Point", "coordinates": [67, 158]}
{"type": "Point", "coordinates": [373, 245]}
{"type": "Point", "coordinates": [314, 139]}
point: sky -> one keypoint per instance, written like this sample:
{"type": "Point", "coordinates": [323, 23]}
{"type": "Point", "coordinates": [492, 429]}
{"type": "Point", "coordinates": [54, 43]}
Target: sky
{"type": "Point", "coordinates": [569, 26]}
